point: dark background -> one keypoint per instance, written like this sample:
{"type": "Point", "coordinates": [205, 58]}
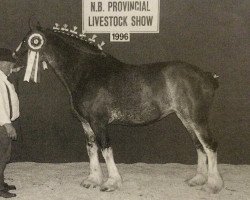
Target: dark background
{"type": "Point", "coordinates": [213, 35]}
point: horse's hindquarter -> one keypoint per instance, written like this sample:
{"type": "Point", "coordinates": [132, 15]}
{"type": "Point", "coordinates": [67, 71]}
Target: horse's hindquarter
{"type": "Point", "coordinates": [190, 89]}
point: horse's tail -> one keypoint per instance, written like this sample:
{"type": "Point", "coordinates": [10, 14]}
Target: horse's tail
{"type": "Point", "coordinates": [213, 78]}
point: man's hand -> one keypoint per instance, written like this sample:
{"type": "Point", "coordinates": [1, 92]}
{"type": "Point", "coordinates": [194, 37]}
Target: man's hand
{"type": "Point", "coordinates": [11, 131]}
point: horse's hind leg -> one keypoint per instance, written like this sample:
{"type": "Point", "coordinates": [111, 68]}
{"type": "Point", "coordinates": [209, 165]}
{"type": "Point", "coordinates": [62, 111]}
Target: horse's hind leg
{"type": "Point", "coordinates": [95, 177]}
{"type": "Point", "coordinates": [215, 182]}
{"type": "Point", "coordinates": [201, 130]}
{"type": "Point", "coordinates": [201, 177]}
{"type": "Point", "coordinates": [114, 180]}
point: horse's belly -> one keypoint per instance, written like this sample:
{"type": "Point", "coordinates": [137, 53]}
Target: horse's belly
{"type": "Point", "coordinates": [137, 115]}
{"type": "Point", "coordinates": [139, 101]}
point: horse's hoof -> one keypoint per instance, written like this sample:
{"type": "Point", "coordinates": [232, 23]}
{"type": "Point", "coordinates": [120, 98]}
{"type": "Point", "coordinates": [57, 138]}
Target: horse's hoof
{"type": "Point", "coordinates": [5, 194]}
{"type": "Point", "coordinates": [198, 179]}
{"type": "Point", "coordinates": [111, 184]}
{"type": "Point", "coordinates": [214, 185]}
{"type": "Point", "coordinates": [91, 182]}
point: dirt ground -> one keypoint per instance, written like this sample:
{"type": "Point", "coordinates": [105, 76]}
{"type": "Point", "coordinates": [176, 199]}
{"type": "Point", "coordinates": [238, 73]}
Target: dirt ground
{"type": "Point", "coordinates": [39, 181]}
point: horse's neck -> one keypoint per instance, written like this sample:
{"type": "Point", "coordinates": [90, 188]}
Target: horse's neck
{"type": "Point", "coordinates": [70, 69]}
{"type": "Point", "coordinates": [74, 67]}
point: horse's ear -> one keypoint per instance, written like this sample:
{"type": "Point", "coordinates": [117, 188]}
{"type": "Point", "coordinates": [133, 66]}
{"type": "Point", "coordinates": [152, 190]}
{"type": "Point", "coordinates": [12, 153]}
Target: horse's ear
{"type": "Point", "coordinates": [34, 24]}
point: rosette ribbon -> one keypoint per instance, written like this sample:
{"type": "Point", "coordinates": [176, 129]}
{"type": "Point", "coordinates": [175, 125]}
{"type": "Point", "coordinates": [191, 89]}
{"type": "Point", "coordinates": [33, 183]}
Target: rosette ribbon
{"type": "Point", "coordinates": [35, 43]}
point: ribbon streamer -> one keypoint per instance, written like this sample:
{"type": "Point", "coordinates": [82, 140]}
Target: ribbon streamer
{"type": "Point", "coordinates": [35, 68]}
{"type": "Point", "coordinates": [32, 66]}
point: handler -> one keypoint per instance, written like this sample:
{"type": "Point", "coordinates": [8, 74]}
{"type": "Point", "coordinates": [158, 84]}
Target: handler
{"type": "Point", "coordinates": [9, 111]}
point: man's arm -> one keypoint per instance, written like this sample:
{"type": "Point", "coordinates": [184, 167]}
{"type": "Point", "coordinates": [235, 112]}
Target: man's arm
{"type": "Point", "coordinates": [5, 119]}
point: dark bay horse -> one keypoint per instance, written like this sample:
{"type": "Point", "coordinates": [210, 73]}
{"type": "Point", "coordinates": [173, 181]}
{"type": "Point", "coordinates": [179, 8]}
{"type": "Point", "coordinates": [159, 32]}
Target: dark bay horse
{"type": "Point", "coordinates": [103, 91]}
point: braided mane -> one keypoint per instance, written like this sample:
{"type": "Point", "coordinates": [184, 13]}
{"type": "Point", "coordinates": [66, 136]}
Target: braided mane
{"type": "Point", "coordinates": [76, 41]}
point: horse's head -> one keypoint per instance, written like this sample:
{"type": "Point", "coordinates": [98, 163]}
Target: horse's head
{"type": "Point", "coordinates": [60, 48]}
{"type": "Point", "coordinates": [29, 52]}
{"type": "Point", "coordinates": [23, 47]}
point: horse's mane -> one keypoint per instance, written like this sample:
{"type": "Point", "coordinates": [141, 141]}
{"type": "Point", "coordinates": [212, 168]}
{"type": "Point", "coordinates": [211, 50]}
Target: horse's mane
{"type": "Point", "coordinates": [74, 41]}
{"type": "Point", "coordinates": [82, 45]}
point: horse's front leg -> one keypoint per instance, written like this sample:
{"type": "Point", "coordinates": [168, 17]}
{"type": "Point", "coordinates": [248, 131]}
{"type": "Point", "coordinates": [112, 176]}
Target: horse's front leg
{"type": "Point", "coordinates": [114, 180]}
{"type": "Point", "coordinates": [95, 177]}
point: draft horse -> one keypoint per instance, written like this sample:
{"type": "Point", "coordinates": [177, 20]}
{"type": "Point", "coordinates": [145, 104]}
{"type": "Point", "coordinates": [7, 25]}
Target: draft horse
{"type": "Point", "coordinates": [104, 90]}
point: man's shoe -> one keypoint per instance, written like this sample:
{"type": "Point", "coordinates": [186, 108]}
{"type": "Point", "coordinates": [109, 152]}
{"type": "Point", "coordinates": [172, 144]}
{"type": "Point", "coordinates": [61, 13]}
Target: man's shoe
{"type": "Point", "coordinates": [9, 187]}
{"type": "Point", "coordinates": [5, 194]}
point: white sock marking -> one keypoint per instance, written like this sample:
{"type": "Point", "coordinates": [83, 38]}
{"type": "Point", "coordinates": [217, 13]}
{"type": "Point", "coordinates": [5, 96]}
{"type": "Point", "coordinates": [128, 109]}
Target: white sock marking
{"type": "Point", "coordinates": [111, 166]}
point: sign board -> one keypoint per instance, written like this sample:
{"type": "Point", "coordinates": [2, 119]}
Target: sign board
{"type": "Point", "coordinates": [120, 17]}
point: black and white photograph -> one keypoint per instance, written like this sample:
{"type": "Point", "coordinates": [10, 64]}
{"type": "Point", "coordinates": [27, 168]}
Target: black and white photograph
{"type": "Point", "coordinates": [125, 99]}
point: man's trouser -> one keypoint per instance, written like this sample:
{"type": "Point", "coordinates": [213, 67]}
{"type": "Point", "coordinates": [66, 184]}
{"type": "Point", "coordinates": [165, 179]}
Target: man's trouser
{"type": "Point", "coordinates": [5, 153]}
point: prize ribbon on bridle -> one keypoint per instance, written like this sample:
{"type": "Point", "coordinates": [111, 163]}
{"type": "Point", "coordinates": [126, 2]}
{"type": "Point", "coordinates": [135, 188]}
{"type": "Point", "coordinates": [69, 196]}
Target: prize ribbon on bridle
{"type": "Point", "coordinates": [35, 43]}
